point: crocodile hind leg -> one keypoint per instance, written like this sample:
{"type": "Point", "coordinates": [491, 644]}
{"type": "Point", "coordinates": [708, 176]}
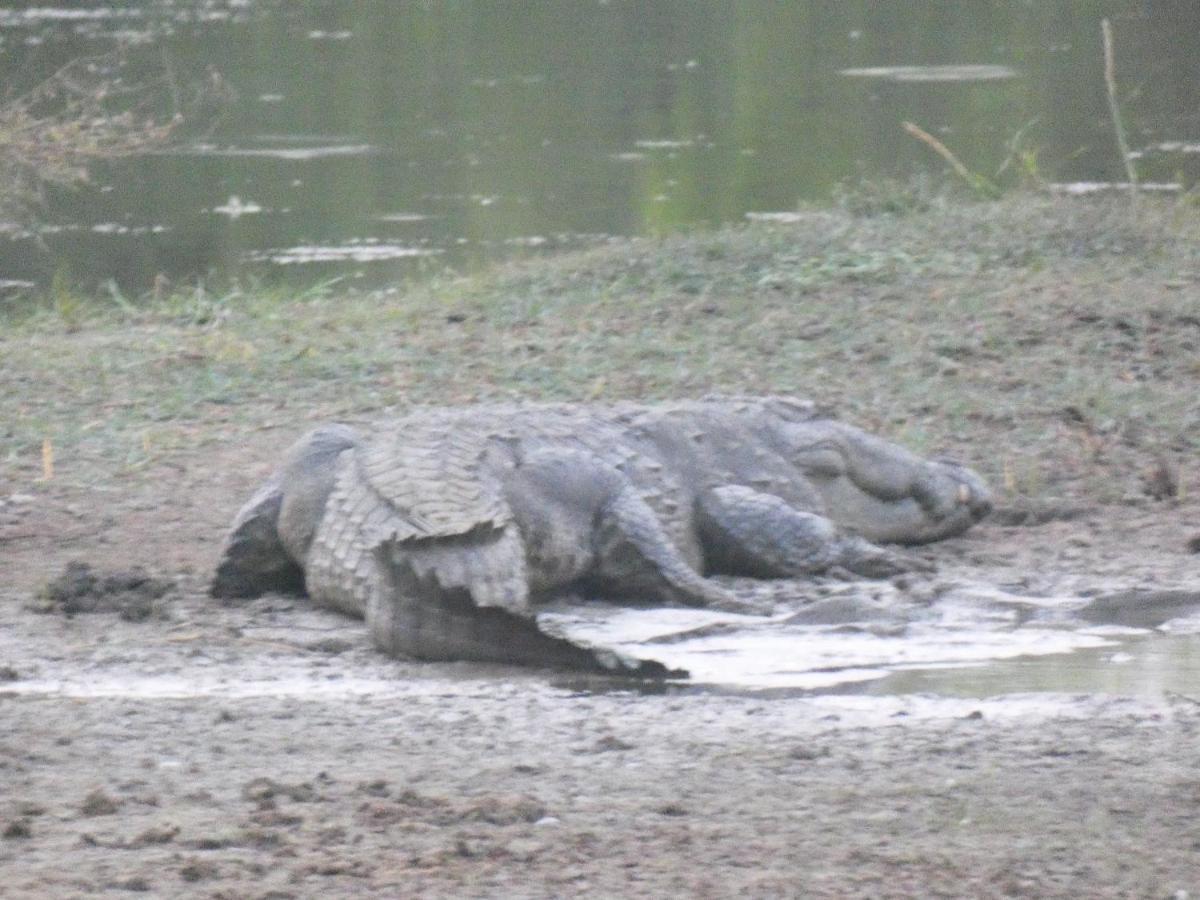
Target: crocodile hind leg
{"type": "Point", "coordinates": [413, 614]}
{"type": "Point", "coordinates": [747, 532]}
{"type": "Point", "coordinates": [254, 560]}
{"type": "Point", "coordinates": [272, 532]}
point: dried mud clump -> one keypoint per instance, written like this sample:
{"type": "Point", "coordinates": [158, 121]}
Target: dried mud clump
{"type": "Point", "coordinates": [132, 594]}
{"type": "Point", "coordinates": [18, 828]}
{"type": "Point", "coordinates": [98, 803]}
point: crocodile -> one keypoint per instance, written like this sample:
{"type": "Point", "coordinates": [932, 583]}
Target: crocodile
{"type": "Point", "coordinates": [445, 528]}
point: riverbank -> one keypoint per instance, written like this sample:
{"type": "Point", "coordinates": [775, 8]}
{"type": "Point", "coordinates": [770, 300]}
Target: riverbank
{"type": "Point", "coordinates": [1067, 327]}
{"type": "Point", "coordinates": [267, 751]}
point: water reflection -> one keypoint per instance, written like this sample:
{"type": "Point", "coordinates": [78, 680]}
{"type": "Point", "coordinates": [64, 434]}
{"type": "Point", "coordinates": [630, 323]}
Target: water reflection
{"type": "Point", "coordinates": [975, 641]}
{"type": "Point", "coordinates": [476, 127]}
{"type": "Point", "coordinates": [1147, 666]}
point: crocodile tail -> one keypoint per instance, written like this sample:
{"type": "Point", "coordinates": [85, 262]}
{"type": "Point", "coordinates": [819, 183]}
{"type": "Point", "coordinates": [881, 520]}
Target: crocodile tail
{"type": "Point", "coordinates": [253, 560]}
{"type": "Point", "coordinates": [412, 613]}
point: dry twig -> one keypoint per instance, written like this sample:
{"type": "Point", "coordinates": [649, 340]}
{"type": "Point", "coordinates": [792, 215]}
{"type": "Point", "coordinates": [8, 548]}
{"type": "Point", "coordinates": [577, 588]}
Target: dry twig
{"type": "Point", "coordinates": [86, 112]}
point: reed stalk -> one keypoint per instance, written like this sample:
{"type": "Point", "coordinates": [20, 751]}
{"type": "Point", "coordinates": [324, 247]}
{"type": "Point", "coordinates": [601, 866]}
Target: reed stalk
{"type": "Point", "coordinates": [976, 181]}
{"type": "Point", "coordinates": [1110, 81]}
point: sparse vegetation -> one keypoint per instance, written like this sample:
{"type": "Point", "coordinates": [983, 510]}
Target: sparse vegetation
{"type": "Point", "coordinates": [1052, 343]}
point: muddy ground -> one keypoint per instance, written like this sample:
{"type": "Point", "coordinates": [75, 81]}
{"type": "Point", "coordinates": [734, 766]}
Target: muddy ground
{"type": "Point", "coordinates": [166, 745]}
{"type": "Point", "coordinates": [169, 745]}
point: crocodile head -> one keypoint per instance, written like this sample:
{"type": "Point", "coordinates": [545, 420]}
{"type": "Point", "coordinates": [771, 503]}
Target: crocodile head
{"type": "Point", "coordinates": [882, 491]}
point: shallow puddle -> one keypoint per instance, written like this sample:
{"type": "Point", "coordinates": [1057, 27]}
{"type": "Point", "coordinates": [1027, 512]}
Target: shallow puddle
{"type": "Point", "coordinates": [972, 643]}
{"type": "Point", "coordinates": [870, 647]}
{"type": "Point", "coordinates": [1145, 665]}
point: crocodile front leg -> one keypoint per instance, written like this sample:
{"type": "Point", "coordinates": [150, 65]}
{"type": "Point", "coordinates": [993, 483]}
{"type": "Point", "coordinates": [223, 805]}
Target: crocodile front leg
{"type": "Point", "coordinates": [635, 555]}
{"type": "Point", "coordinates": [582, 520]}
{"type": "Point", "coordinates": [747, 532]}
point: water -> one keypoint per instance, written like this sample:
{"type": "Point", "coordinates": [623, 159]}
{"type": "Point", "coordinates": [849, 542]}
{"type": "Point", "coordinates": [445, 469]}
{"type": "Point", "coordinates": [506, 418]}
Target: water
{"type": "Point", "coordinates": [974, 642]}
{"type": "Point", "coordinates": [941, 659]}
{"type": "Point", "coordinates": [1137, 665]}
{"type": "Point", "coordinates": [370, 140]}
{"type": "Point", "coordinates": [864, 647]}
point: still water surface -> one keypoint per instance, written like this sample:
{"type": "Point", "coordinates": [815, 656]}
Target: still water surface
{"type": "Point", "coordinates": [372, 137]}
{"type": "Point", "coordinates": [975, 643]}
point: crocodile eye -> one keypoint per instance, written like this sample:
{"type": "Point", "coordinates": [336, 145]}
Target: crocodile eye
{"type": "Point", "coordinates": [821, 461]}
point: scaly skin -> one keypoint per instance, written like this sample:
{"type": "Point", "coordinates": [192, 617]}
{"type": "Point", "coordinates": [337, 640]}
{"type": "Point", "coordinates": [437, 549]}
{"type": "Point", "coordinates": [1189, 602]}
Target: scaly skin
{"type": "Point", "coordinates": [445, 528]}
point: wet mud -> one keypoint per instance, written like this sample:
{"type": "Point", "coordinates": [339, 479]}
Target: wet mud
{"type": "Point", "coordinates": [266, 750]}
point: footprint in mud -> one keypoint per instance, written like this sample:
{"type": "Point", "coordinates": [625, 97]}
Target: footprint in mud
{"type": "Point", "coordinates": [133, 594]}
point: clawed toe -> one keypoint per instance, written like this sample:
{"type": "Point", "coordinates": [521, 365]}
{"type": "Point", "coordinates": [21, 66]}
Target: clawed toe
{"type": "Point", "coordinates": [866, 560]}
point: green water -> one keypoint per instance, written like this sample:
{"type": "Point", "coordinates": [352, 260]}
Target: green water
{"type": "Point", "coordinates": [372, 138]}
{"type": "Point", "coordinates": [1148, 666]}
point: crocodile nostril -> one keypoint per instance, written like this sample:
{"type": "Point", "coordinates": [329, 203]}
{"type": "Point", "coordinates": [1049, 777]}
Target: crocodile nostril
{"type": "Point", "coordinates": [981, 505]}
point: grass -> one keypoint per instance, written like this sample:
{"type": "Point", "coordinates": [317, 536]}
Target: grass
{"type": "Point", "coordinates": [1053, 344]}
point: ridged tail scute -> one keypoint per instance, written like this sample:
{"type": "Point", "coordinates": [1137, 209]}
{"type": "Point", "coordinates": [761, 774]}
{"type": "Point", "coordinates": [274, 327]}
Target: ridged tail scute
{"type": "Point", "coordinates": [254, 560]}
{"type": "Point", "coordinates": [488, 559]}
{"type": "Point", "coordinates": [432, 476]}
{"type": "Point", "coordinates": [427, 611]}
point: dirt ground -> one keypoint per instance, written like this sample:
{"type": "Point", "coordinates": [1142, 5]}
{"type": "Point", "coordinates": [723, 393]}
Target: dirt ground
{"type": "Point", "coordinates": [172, 747]}
{"type": "Point", "coordinates": [267, 751]}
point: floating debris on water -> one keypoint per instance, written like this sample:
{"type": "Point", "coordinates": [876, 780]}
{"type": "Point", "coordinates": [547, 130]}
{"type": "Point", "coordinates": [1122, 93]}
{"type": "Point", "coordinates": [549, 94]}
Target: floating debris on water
{"type": "Point", "coordinates": [117, 228]}
{"type": "Point", "coordinates": [934, 73]}
{"type": "Point", "coordinates": [300, 154]}
{"type": "Point", "coordinates": [1082, 188]}
{"type": "Point", "coordinates": [664, 144]}
{"type": "Point", "coordinates": [402, 217]}
{"type": "Point", "coordinates": [354, 251]}
{"type": "Point", "coordinates": [15, 18]}
{"type": "Point", "coordinates": [235, 208]}
{"type": "Point", "coordinates": [782, 218]}
{"type": "Point", "coordinates": [1166, 147]}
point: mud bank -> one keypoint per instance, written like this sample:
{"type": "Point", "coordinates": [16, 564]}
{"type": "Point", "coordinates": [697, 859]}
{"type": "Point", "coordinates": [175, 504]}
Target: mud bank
{"type": "Point", "coordinates": [226, 756]}
{"type": "Point", "coordinates": [175, 747]}
{"type": "Point", "coordinates": [267, 751]}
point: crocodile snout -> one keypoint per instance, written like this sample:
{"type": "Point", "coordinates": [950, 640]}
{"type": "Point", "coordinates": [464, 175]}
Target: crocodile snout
{"type": "Point", "coordinates": [952, 499]}
{"type": "Point", "coordinates": [981, 504]}
{"type": "Point", "coordinates": [971, 492]}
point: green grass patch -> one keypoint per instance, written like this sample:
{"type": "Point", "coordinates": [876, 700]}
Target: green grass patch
{"type": "Point", "coordinates": [1043, 340]}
